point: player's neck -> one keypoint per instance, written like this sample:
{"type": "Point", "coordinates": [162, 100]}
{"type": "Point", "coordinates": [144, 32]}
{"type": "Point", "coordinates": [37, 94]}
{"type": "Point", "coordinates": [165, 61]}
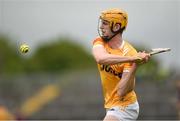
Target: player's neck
{"type": "Point", "coordinates": [116, 42]}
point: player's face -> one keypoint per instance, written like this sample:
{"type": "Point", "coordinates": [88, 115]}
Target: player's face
{"type": "Point", "coordinates": [104, 29]}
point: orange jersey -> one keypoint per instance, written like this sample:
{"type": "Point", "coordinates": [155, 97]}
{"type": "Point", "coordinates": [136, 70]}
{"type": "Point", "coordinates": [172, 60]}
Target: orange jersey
{"type": "Point", "coordinates": [111, 75]}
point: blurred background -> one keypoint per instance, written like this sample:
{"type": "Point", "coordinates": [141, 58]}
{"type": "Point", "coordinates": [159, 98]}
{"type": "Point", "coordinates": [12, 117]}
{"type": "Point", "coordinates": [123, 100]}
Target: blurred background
{"type": "Point", "coordinates": [58, 78]}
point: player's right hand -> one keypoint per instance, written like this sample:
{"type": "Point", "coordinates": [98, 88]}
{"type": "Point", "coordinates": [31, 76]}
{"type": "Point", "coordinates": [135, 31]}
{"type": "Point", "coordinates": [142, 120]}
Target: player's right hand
{"type": "Point", "coordinates": [143, 57]}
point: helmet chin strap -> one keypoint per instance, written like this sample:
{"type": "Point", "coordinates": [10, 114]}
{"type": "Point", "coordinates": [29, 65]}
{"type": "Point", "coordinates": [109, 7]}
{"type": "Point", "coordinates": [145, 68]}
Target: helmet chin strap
{"type": "Point", "coordinates": [107, 39]}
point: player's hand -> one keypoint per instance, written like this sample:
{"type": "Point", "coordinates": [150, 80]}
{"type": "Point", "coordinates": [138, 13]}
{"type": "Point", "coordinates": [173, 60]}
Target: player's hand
{"type": "Point", "coordinates": [143, 57]}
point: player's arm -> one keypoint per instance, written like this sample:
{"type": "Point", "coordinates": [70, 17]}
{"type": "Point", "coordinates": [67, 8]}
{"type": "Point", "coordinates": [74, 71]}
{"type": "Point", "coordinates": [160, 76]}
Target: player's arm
{"type": "Point", "coordinates": [127, 82]}
{"type": "Point", "coordinates": [103, 57]}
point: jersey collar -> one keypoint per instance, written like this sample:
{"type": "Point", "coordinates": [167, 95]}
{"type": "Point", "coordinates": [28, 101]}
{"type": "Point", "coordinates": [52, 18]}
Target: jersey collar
{"type": "Point", "coordinates": [122, 45]}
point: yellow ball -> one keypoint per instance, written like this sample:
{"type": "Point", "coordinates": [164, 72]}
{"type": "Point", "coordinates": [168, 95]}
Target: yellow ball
{"type": "Point", "coordinates": [24, 48]}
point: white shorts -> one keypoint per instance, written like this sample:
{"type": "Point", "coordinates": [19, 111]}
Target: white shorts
{"type": "Point", "coordinates": [128, 113]}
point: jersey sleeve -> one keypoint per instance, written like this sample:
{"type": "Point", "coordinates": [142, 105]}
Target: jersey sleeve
{"type": "Point", "coordinates": [98, 42]}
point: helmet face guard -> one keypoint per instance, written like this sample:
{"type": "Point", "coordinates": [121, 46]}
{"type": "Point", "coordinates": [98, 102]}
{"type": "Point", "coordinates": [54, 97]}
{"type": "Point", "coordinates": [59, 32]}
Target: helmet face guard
{"type": "Point", "coordinates": [100, 32]}
{"type": "Point", "coordinates": [113, 16]}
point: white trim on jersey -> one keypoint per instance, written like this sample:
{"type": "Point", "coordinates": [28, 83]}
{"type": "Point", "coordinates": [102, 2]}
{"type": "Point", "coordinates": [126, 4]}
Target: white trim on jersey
{"type": "Point", "coordinates": [125, 51]}
{"type": "Point", "coordinates": [122, 45]}
{"type": "Point", "coordinates": [126, 70]}
{"type": "Point", "coordinates": [98, 45]}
